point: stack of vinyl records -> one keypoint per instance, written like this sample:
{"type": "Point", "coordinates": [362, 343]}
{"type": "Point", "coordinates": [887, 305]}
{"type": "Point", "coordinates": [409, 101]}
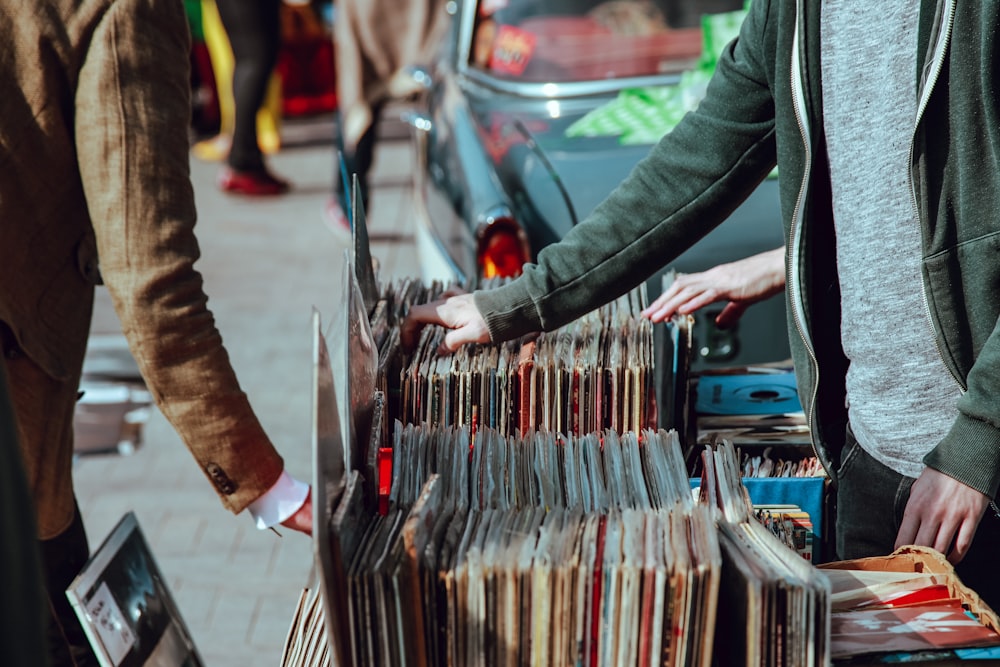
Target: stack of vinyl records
{"type": "Point", "coordinates": [525, 553]}
{"type": "Point", "coordinates": [773, 605]}
{"type": "Point", "coordinates": [787, 488]}
{"type": "Point", "coordinates": [750, 406]}
{"type": "Point", "coordinates": [567, 537]}
{"type": "Point", "coordinates": [516, 504]}
{"type": "Point", "coordinates": [564, 550]}
{"type": "Point", "coordinates": [592, 374]}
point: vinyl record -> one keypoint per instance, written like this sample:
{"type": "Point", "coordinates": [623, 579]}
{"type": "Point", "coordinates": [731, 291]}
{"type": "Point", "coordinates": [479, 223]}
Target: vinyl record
{"type": "Point", "coordinates": [757, 394]}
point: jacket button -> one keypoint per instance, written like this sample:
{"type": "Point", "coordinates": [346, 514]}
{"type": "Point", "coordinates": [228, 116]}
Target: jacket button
{"type": "Point", "coordinates": [220, 479]}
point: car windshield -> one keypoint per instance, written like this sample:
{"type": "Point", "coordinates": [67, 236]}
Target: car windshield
{"type": "Point", "coordinates": [559, 41]}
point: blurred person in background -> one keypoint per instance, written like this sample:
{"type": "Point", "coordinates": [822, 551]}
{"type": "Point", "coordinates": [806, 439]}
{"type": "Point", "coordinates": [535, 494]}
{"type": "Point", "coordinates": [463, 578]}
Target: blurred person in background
{"type": "Point", "coordinates": [375, 44]}
{"type": "Point", "coordinates": [96, 168]}
{"type": "Point", "coordinates": [254, 31]}
{"type": "Point", "coordinates": [213, 64]}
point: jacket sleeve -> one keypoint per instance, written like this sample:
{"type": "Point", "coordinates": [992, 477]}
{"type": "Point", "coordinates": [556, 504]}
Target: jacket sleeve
{"type": "Point", "coordinates": [132, 107]}
{"type": "Point", "coordinates": [688, 184]}
{"type": "Point", "coordinates": [970, 452]}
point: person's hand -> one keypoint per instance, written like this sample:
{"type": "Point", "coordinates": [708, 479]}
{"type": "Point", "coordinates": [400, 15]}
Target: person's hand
{"type": "Point", "coordinates": [302, 520]}
{"type": "Point", "coordinates": [941, 513]}
{"type": "Point", "coordinates": [458, 313]}
{"type": "Point", "coordinates": [742, 283]}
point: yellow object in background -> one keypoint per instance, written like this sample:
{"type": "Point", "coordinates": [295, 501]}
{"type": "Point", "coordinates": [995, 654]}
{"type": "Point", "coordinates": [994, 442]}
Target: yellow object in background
{"type": "Point", "coordinates": [268, 116]}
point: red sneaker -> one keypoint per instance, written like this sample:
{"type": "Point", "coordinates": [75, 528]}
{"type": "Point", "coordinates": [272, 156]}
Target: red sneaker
{"type": "Point", "coordinates": [256, 183]}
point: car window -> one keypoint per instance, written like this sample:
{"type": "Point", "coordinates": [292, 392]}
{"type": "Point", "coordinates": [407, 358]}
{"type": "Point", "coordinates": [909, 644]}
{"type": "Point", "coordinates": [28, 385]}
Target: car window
{"type": "Point", "coordinates": [558, 41]}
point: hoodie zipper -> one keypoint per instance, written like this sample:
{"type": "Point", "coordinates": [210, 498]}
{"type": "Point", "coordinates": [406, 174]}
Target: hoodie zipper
{"type": "Point", "coordinates": [941, 44]}
{"type": "Point", "coordinates": [791, 273]}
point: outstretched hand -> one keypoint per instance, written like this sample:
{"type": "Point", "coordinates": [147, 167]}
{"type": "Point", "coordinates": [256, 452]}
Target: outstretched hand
{"type": "Point", "coordinates": [458, 313]}
{"type": "Point", "coordinates": [742, 283]}
{"type": "Point", "coordinates": [302, 520]}
{"type": "Point", "coordinates": [942, 513]}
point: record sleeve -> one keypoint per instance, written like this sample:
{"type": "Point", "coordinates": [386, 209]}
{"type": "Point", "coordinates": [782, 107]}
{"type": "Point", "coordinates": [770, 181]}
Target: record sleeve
{"type": "Point", "coordinates": [364, 265]}
{"type": "Point", "coordinates": [907, 629]}
{"type": "Point", "coordinates": [125, 606]}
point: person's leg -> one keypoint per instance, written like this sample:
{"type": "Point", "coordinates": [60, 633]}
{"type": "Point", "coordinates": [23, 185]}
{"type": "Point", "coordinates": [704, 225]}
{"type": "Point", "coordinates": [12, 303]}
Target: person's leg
{"type": "Point", "coordinates": [23, 603]}
{"type": "Point", "coordinates": [63, 557]}
{"type": "Point", "coordinates": [254, 34]}
{"type": "Point", "coordinates": [44, 409]}
{"type": "Point", "coordinates": [359, 161]}
{"type": "Point", "coordinates": [868, 494]}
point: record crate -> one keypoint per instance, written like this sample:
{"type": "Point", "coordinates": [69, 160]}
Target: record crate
{"type": "Point", "coordinates": [756, 408]}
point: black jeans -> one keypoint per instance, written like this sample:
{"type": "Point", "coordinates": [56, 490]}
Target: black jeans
{"type": "Point", "coordinates": [254, 30]}
{"type": "Point", "coordinates": [63, 557]}
{"type": "Point", "coordinates": [870, 502]}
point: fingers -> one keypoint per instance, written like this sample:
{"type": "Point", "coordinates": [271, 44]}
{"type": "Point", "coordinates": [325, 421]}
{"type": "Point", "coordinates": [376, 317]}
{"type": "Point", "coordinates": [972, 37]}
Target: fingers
{"type": "Point", "coordinates": [684, 296]}
{"type": "Point", "coordinates": [941, 513]}
{"type": "Point", "coordinates": [417, 317]}
{"type": "Point", "coordinates": [458, 313]}
{"type": "Point", "coordinates": [962, 542]}
{"type": "Point", "coordinates": [438, 312]}
{"type": "Point", "coordinates": [730, 315]}
{"type": "Point", "coordinates": [456, 338]}
{"type": "Point", "coordinates": [302, 520]}
{"type": "Point", "coordinates": [744, 282]}
{"type": "Point", "coordinates": [949, 538]}
{"type": "Point", "coordinates": [908, 528]}
{"type": "Point", "coordinates": [660, 310]}
{"type": "Point", "coordinates": [936, 535]}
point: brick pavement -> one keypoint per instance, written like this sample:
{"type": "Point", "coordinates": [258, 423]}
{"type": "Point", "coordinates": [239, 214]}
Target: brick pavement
{"type": "Point", "coordinates": [266, 263]}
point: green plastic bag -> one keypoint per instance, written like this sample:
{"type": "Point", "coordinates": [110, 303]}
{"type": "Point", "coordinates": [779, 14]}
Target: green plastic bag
{"type": "Point", "coordinates": [643, 115]}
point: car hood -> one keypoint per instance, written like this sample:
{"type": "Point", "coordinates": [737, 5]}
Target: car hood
{"type": "Point", "coordinates": [554, 178]}
{"type": "Point", "coordinates": [555, 181]}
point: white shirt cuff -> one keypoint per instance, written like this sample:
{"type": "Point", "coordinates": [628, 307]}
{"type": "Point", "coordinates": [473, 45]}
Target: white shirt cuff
{"type": "Point", "coordinates": [281, 501]}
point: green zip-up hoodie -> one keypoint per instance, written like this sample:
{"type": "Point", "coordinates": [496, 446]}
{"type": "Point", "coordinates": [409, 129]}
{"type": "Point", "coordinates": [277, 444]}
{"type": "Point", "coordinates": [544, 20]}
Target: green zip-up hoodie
{"type": "Point", "coordinates": [763, 107]}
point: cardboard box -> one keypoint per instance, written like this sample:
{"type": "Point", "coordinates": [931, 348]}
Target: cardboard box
{"type": "Point", "coordinates": [916, 560]}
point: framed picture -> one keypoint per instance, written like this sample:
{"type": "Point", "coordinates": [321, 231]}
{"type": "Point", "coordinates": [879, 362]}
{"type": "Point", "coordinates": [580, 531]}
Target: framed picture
{"type": "Point", "coordinates": [125, 607]}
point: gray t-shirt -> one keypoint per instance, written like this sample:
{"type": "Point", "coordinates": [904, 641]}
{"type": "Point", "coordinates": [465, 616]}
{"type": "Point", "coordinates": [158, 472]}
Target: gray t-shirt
{"type": "Point", "coordinates": [901, 397]}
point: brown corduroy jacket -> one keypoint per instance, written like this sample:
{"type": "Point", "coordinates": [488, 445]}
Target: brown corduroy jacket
{"type": "Point", "coordinates": [94, 163]}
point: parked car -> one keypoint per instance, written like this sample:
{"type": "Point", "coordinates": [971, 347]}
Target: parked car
{"type": "Point", "coordinates": [500, 174]}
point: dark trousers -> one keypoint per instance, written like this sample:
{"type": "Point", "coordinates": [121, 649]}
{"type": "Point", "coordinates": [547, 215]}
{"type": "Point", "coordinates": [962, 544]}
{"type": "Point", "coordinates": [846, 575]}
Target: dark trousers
{"type": "Point", "coordinates": [254, 30]}
{"type": "Point", "coordinates": [63, 557]}
{"type": "Point", "coordinates": [357, 162]}
{"type": "Point", "coordinates": [23, 604]}
{"type": "Point", "coordinates": [870, 502]}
